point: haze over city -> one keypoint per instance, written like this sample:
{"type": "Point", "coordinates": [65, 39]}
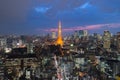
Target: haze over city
{"type": "Point", "coordinates": [38, 16]}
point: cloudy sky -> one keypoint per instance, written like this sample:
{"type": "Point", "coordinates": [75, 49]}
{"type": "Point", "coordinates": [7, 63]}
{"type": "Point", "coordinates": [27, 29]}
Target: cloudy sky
{"type": "Point", "coordinates": [38, 16]}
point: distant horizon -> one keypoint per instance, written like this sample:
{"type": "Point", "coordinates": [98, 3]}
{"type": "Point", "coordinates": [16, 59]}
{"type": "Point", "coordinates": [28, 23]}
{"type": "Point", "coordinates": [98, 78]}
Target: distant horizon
{"type": "Point", "coordinates": [90, 28]}
{"type": "Point", "coordinates": [90, 32]}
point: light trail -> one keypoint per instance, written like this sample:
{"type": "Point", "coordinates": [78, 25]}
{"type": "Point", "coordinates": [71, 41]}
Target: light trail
{"type": "Point", "coordinates": [58, 69]}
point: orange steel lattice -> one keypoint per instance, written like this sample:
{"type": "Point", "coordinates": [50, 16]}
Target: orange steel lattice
{"type": "Point", "coordinates": [59, 40]}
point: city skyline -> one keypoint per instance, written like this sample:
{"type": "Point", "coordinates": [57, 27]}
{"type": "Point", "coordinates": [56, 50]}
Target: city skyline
{"type": "Point", "coordinates": [38, 16]}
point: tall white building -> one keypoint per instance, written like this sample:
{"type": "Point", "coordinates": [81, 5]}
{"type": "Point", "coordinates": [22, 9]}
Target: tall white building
{"type": "Point", "coordinates": [118, 41]}
{"type": "Point", "coordinates": [106, 39]}
{"type": "Point", "coordinates": [53, 34]}
{"type": "Point", "coordinates": [83, 33]}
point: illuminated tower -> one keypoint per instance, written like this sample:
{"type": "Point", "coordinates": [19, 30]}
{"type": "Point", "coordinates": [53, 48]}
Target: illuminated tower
{"type": "Point", "coordinates": [59, 40]}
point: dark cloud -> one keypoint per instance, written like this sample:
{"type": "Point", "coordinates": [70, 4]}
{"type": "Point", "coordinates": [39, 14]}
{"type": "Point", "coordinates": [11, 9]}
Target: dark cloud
{"type": "Point", "coordinates": [59, 6]}
{"type": "Point", "coordinates": [14, 9]}
{"type": "Point", "coordinates": [20, 15]}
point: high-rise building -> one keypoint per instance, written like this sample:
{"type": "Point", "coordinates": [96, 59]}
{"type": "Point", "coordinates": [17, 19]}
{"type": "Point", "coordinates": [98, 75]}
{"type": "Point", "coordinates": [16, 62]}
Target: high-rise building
{"type": "Point", "coordinates": [30, 47]}
{"type": "Point", "coordinates": [53, 34]}
{"type": "Point", "coordinates": [9, 42]}
{"type": "Point", "coordinates": [75, 34]}
{"type": "Point", "coordinates": [99, 37]}
{"type": "Point", "coordinates": [59, 40]}
{"type": "Point", "coordinates": [106, 39]}
{"type": "Point", "coordinates": [83, 33]}
{"type": "Point", "coordinates": [118, 41]}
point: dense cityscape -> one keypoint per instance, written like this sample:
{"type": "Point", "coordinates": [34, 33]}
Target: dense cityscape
{"type": "Point", "coordinates": [59, 39]}
{"type": "Point", "coordinates": [78, 56]}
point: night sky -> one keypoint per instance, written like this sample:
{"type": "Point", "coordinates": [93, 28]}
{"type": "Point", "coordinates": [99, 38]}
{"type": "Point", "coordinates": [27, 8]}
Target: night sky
{"type": "Point", "coordinates": [38, 16]}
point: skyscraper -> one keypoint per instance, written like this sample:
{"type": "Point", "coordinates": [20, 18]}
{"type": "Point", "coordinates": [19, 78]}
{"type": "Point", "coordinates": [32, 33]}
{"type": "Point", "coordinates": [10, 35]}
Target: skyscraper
{"type": "Point", "coordinates": [83, 33]}
{"type": "Point", "coordinates": [59, 40]}
{"type": "Point", "coordinates": [118, 41]}
{"type": "Point", "coordinates": [53, 34]}
{"type": "Point", "coordinates": [106, 39]}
